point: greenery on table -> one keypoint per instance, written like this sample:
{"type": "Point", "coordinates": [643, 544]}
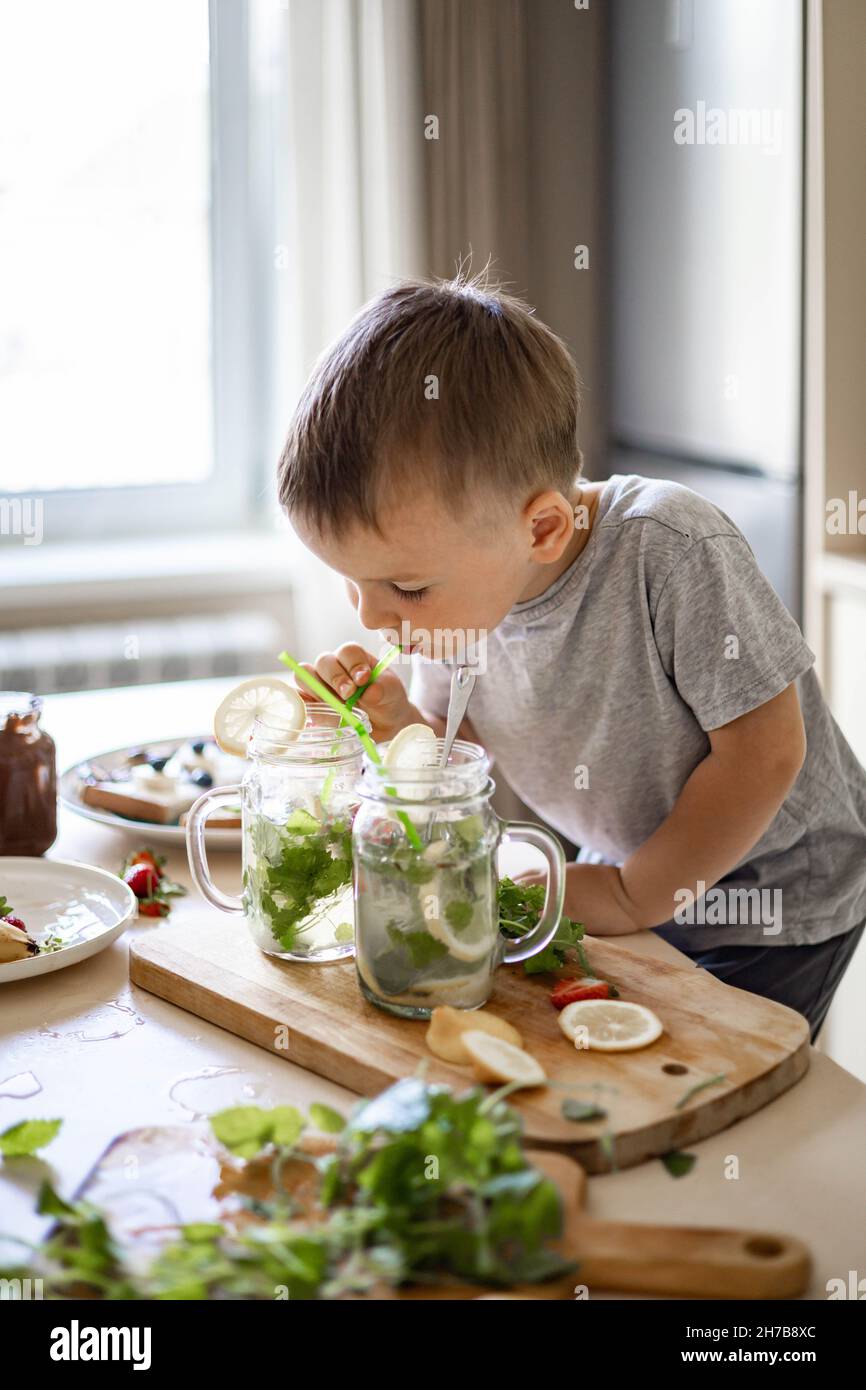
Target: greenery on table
{"type": "Point", "coordinates": [520, 909]}
{"type": "Point", "coordinates": [423, 1186]}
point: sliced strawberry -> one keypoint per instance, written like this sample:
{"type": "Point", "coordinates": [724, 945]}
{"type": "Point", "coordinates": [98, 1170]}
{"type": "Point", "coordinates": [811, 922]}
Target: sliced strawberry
{"type": "Point", "coordinates": [153, 908]}
{"type": "Point", "coordinates": [147, 856]}
{"type": "Point", "coordinates": [569, 991]}
{"type": "Point", "coordinates": [143, 879]}
{"type": "Point", "coordinates": [14, 922]}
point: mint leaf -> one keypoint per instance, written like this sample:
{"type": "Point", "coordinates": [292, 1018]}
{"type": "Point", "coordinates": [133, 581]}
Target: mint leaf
{"type": "Point", "coordinates": [459, 914]}
{"type": "Point", "coordinates": [470, 829]}
{"type": "Point", "coordinates": [197, 1232]}
{"type": "Point", "coordinates": [247, 1129]}
{"type": "Point", "coordinates": [300, 822]}
{"type": "Point", "coordinates": [23, 1139]}
{"type": "Point", "coordinates": [50, 1203]}
{"type": "Point", "coordinates": [287, 1125]}
{"type": "Point", "coordinates": [679, 1164]}
{"type": "Point", "coordinates": [422, 947]}
{"type": "Point", "coordinates": [243, 1129]}
{"type": "Point", "coordinates": [5, 907]}
{"type": "Point", "coordinates": [580, 1111]}
{"type": "Point", "coordinates": [699, 1086]}
{"type": "Point", "coordinates": [326, 1119]}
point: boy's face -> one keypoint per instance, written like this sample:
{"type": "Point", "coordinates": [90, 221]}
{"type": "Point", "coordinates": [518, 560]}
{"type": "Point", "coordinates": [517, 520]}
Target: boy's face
{"type": "Point", "coordinates": [432, 573]}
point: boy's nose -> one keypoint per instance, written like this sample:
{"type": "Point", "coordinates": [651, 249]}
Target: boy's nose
{"type": "Point", "coordinates": [375, 617]}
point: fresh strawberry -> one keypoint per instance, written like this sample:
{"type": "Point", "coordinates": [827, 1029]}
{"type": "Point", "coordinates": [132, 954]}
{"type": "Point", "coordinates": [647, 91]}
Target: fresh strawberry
{"type": "Point", "coordinates": [143, 879]}
{"type": "Point", "coordinates": [14, 922]}
{"type": "Point", "coordinates": [147, 856]}
{"type": "Point", "coordinates": [145, 873]}
{"type": "Point", "coordinates": [152, 907]}
{"type": "Point", "coordinates": [569, 991]}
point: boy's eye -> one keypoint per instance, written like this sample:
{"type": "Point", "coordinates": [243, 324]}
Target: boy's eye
{"type": "Point", "coordinates": [412, 594]}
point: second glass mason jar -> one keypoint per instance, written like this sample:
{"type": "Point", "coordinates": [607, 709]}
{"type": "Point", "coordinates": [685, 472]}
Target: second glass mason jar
{"type": "Point", "coordinates": [426, 909]}
{"type": "Point", "coordinates": [298, 800]}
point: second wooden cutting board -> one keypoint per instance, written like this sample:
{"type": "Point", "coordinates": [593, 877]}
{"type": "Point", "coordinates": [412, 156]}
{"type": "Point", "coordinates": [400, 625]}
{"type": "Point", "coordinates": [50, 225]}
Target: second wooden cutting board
{"type": "Point", "coordinates": [315, 1016]}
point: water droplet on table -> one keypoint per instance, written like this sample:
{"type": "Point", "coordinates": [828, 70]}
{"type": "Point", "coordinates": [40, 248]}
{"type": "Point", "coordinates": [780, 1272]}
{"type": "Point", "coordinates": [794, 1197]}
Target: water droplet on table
{"type": "Point", "coordinates": [97, 1024]}
{"type": "Point", "coordinates": [20, 1086]}
{"type": "Point", "coordinates": [214, 1088]}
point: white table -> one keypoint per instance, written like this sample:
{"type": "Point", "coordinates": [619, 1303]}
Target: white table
{"type": "Point", "coordinates": [109, 1057]}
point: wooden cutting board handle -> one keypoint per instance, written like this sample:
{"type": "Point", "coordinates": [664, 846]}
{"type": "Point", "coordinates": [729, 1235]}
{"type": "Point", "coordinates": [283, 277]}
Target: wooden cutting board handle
{"type": "Point", "coordinates": [694, 1261]}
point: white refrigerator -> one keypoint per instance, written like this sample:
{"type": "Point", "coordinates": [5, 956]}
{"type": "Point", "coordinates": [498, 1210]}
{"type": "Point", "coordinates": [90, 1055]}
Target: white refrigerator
{"type": "Point", "coordinates": [705, 102]}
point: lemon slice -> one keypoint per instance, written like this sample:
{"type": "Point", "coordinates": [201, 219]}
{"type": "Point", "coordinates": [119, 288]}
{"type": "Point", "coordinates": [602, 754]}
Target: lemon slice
{"type": "Point", "coordinates": [262, 697]}
{"type": "Point", "coordinates": [460, 990]}
{"type": "Point", "coordinates": [447, 1025]}
{"type": "Point", "coordinates": [612, 1025]}
{"type": "Point", "coordinates": [414, 746]}
{"type": "Point", "coordinates": [468, 943]}
{"type": "Point", "coordinates": [494, 1059]}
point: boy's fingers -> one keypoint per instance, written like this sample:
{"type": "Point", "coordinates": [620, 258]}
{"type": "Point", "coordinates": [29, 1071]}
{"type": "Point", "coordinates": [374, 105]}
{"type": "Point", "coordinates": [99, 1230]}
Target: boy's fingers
{"type": "Point", "coordinates": [388, 687]}
{"type": "Point", "coordinates": [334, 674]}
{"type": "Point", "coordinates": [356, 661]}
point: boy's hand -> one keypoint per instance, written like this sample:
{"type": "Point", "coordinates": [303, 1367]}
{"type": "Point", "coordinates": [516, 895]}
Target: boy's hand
{"type": "Point", "coordinates": [349, 667]}
{"type": "Point", "coordinates": [595, 896]}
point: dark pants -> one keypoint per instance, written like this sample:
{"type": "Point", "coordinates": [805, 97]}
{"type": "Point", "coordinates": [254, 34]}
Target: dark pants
{"type": "Point", "coordinates": [803, 977]}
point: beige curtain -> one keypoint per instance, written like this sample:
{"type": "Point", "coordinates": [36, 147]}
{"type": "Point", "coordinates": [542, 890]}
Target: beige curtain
{"type": "Point", "coordinates": [350, 195]}
{"type": "Point", "coordinates": [475, 85]}
{"type": "Point", "coordinates": [349, 214]}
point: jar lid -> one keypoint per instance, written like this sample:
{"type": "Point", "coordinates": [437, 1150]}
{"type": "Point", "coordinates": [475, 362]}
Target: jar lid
{"type": "Point", "coordinates": [19, 703]}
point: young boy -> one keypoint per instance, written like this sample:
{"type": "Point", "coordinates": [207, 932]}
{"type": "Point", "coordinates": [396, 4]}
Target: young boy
{"type": "Point", "coordinates": [646, 692]}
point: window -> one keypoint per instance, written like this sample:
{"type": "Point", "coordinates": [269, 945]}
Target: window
{"type": "Point", "coordinates": [126, 390]}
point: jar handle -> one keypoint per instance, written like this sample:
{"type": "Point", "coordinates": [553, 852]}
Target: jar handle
{"type": "Point", "coordinates": [198, 865]}
{"type": "Point", "coordinates": [543, 933]}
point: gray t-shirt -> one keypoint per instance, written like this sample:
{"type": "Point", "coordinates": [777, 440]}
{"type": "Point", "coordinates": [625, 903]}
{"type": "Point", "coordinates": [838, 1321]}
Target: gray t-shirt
{"type": "Point", "coordinates": [597, 697]}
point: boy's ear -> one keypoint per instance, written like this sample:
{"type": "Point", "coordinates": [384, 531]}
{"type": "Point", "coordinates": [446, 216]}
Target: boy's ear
{"type": "Point", "coordinates": [551, 521]}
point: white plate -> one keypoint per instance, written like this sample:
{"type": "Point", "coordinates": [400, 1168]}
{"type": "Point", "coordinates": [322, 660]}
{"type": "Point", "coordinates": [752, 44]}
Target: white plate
{"type": "Point", "coordinates": [85, 906]}
{"type": "Point", "coordinates": [145, 832]}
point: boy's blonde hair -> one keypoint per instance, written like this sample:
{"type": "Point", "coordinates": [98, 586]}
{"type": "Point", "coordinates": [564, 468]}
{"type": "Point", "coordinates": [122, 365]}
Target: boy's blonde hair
{"type": "Point", "coordinates": [453, 376]}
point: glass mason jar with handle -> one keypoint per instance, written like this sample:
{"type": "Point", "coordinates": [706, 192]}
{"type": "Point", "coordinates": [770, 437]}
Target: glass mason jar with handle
{"type": "Point", "coordinates": [298, 799]}
{"type": "Point", "coordinates": [426, 911]}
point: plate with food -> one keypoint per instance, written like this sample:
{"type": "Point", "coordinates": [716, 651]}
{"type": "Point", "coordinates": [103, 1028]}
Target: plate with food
{"type": "Point", "coordinates": [54, 913]}
{"type": "Point", "coordinates": [148, 789]}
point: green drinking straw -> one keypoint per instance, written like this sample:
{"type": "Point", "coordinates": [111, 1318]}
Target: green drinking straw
{"type": "Point", "coordinates": [376, 672]}
{"type": "Point", "coordinates": [346, 716]}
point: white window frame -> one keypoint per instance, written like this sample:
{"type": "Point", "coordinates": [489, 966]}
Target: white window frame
{"type": "Point", "coordinates": [234, 495]}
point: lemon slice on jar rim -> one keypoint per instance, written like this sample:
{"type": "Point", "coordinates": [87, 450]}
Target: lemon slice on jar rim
{"type": "Point", "coordinates": [262, 697]}
{"type": "Point", "coordinates": [413, 747]}
{"type": "Point", "coordinates": [609, 1025]}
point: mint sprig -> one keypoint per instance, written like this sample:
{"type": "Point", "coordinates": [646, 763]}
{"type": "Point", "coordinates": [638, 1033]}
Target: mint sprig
{"type": "Point", "coordinates": [27, 1137]}
{"type": "Point", "coordinates": [520, 909]}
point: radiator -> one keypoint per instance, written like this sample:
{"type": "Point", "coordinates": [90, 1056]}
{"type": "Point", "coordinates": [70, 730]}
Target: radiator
{"type": "Point", "coordinates": [94, 656]}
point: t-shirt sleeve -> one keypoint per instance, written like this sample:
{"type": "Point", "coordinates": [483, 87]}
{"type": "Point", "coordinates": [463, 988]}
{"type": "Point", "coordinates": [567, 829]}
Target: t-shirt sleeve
{"type": "Point", "coordinates": [430, 686]}
{"type": "Point", "coordinates": [724, 636]}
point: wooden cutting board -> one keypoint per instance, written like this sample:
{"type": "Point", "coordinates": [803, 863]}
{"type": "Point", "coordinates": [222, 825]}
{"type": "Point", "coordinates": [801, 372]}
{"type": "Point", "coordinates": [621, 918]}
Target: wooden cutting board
{"type": "Point", "coordinates": [150, 1180]}
{"type": "Point", "coordinates": [315, 1016]}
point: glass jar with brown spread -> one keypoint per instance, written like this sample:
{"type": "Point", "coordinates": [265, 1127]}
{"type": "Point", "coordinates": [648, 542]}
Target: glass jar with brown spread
{"type": "Point", "coordinates": [28, 777]}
